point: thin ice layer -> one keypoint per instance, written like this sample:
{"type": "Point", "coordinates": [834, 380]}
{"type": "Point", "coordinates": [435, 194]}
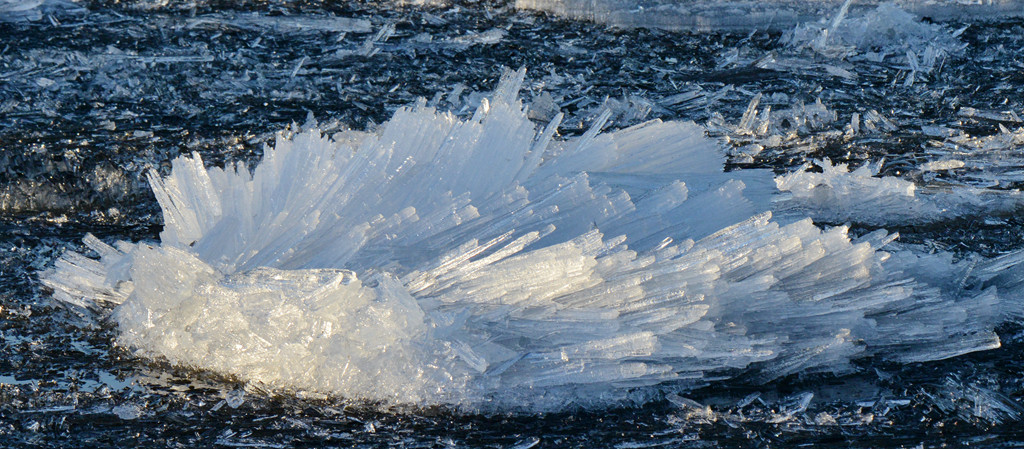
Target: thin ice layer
{"type": "Point", "coordinates": [483, 264]}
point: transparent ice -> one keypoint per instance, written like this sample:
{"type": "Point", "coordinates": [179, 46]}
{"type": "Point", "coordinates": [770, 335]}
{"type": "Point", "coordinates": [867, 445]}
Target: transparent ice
{"type": "Point", "coordinates": [485, 264]}
{"type": "Point", "coordinates": [964, 177]}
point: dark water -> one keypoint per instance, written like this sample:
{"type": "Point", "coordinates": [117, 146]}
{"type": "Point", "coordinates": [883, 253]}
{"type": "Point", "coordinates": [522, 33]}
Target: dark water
{"type": "Point", "coordinates": [90, 100]}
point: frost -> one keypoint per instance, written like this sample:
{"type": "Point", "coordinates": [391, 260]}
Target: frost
{"type": "Point", "coordinates": [972, 402]}
{"type": "Point", "coordinates": [526, 443]}
{"type": "Point", "coordinates": [235, 398]}
{"type": "Point", "coordinates": [489, 37]}
{"type": "Point", "coordinates": [285, 24]}
{"type": "Point", "coordinates": [942, 165]}
{"type": "Point", "coordinates": [858, 43]}
{"type": "Point", "coordinates": [484, 264]}
{"type": "Point", "coordinates": [799, 412]}
{"type": "Point", "coordinates": [693, 410]}
{"type": "Point", "coordinates": [675, 15]}
{"type": "Point", "coordinates": [971, 166]}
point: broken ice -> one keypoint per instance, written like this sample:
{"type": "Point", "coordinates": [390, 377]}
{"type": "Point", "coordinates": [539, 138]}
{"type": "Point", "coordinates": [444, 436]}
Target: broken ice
{"type": "Point", "coordinates": [705, 15]}
{"type": "Point", "coordinates": [31, 10]}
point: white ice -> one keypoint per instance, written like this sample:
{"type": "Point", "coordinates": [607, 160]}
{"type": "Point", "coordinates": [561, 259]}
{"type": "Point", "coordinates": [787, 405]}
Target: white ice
{"type": "Point", "coordinates": [884, 34]}
{"type": "Point", "coordinates": [837, 194]}
{"type": "Point", "coordinates": [485, 264]}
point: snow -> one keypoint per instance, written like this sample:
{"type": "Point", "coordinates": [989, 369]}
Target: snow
{"type": "Point", "coordinates": [485, 264]}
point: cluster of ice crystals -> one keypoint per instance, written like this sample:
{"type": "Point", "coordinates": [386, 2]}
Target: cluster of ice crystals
{"type": "Point", "coordinates": [30, 10]}
{"type": "Point", "coordinates": [484, 264]}
{"type": "Point", "coordinates": [885, 33]}
{"type": "Point", "coordinates": [792, 127]}
{"type": "Point", "coordinates": [986, 161]}
{"type": "Point", "coordinates": [838, 194]}
{"type": "Point", "coordinates": [704, 15]}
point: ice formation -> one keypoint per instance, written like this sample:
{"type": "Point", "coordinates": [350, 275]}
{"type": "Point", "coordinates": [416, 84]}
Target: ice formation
{"type": "Point", "coordinates": [851, 42]}
{"type": "Point", "coordinates": [798, 128]}
{"type": "Point", "coordinates": [885, 33]}
{"type": "Point", "coordinates": [701, 15]}
{"type": "Point", "coordinates": [13, 10]}
{"type": "Point", "coordinates": [835, 194]}
{"type": "Point", "coordinates": [483, 264]}
{"type": "Point", "coordinates": [30, 10]}
{"type": "Point", "coordinates": [775, 125]}
{"type": "Point", "coordinates": [987, 161]}
{"type": "Point", "coordinates": [840, 195]}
